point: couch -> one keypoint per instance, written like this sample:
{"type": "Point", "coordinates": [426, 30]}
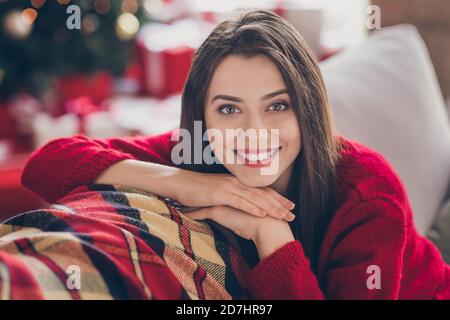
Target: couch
{"type": "Point", "coordinates": [385, 94]}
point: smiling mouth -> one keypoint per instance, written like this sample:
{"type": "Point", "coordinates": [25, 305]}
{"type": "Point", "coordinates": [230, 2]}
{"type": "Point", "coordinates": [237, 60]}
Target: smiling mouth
{"type": "Point", "coordinates": [257, 158]}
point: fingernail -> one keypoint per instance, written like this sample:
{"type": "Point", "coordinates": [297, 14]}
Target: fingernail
{"type": "Point", "coordinates": [291, 205]}
{"type": "Point", "coordinates": [290, 216]}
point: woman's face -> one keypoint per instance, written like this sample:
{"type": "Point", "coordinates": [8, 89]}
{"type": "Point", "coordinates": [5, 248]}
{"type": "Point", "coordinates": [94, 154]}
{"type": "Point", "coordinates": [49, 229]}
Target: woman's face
{"type": "Point", "coordinates": [249, 96]}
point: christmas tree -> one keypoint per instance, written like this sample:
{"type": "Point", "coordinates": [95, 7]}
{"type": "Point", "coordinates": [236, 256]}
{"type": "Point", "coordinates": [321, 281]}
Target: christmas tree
{"type": "Point", "coordinates": [41, 40]}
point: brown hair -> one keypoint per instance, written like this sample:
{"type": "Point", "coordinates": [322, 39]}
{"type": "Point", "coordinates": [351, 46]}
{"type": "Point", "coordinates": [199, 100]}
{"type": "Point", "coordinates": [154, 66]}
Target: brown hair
{"type": "Point", "coordinates": [312, 183]}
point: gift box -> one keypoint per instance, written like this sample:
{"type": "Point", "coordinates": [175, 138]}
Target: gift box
{"type": "Point", "coordinates": [7, 126]}
{"type": "Point", "coordinates": [98, 86]}
{"type": "Point", "coordinates": [81, 116]}
{"type": "Point", "coordinates": [165, 52]}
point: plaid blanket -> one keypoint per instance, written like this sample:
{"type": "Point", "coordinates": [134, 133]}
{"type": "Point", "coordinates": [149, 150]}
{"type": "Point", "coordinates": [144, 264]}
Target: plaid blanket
{"type": "Point", "coordinates": [112, 242]}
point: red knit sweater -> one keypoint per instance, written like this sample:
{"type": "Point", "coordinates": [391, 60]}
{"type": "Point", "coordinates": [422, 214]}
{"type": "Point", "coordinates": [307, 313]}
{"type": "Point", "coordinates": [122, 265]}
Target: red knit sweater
{"type": "Point", "coordinates": [372, 226]}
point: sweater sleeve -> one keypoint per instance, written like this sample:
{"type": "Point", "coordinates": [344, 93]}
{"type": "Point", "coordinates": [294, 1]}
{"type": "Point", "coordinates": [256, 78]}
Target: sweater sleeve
{"type": "Point", "coordinates": [66, 163]}
{"type": "Point", "coordinates": [364, 260]}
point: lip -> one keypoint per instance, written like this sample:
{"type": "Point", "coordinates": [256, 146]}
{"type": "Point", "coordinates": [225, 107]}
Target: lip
{"type": "Point", "coordinates": [257, 163]}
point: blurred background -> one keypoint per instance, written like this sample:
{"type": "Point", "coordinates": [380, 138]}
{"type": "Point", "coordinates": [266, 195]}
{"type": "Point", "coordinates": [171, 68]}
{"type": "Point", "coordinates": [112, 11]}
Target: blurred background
{"type": "Point", "coordinates": [108, 67]}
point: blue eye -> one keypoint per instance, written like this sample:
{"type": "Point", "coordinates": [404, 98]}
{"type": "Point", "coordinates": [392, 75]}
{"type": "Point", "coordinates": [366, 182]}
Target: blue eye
{"type": "Point", "coordinates": [229, 109]}
{"type": "Point", "coordinates": [278, 106]}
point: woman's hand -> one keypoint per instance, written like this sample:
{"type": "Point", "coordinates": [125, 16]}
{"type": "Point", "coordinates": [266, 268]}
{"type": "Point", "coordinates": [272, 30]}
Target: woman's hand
{"type": "Point", "coordinates": [268, 233]}
{"type": "Point", "coordinates": [196, 189]}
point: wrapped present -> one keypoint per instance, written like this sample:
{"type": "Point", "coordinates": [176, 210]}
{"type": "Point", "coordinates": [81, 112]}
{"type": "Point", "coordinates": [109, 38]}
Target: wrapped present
{"type": "Point", "coordinates": [94, 120]}
{"type": "Point", "coordinates": [7, 125]}
{"type": "Point", "coordinates": [46, 127]}
{"type": "Point", "coordinates": [98, 86]}
{"type": "Point", "coordinates": [82, 116]}
{"type": "Point", "coordinates": [165, 53]}
{"type": "Point", "coordinates": [82, 107]}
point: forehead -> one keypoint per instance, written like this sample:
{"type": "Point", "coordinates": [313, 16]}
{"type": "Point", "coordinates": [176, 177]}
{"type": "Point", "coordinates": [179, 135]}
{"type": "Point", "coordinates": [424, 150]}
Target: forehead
{"type": "Point", "coordinates": [242, 76]}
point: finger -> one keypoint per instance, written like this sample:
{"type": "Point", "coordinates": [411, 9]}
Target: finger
{"type": "Point", "coordinates": [284, 201]}
{"type": "Point", "coordinates": [218, 214]}
{"type": "Point", "coordinates": [276, 205]}
{"type": "Point", "coordinates": [260, 199]}
{"type": "Point", "coordinates": [200, 214]}
{"type": "Point", "coordinates": [238, 202]}
{"type": "Point", "coordinates": [284, 204]}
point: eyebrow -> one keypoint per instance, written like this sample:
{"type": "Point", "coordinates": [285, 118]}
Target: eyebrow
{"type": "Point", "coordinates": [236, 99]}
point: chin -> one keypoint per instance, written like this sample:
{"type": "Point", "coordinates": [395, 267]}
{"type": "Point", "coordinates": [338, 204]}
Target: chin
{"type": "Point", "coordinates": [255, 179]}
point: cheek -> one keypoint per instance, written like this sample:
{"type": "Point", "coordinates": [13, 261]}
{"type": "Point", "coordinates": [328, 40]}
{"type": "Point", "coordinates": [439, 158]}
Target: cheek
{"type": "Point", "coordinates": [291, 136]}
{"type": "Point", "coordinates": [216, 121]}
{"type": "Point", "coordinates": [218, 126]}
{"type": "Point", "coordinates": [209, 120]}
{"type": "Point", "coordinates": [216, 132]}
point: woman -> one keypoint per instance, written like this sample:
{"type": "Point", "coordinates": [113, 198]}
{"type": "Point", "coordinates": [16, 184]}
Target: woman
{"type": "Point", "coordinates": [331, 221]}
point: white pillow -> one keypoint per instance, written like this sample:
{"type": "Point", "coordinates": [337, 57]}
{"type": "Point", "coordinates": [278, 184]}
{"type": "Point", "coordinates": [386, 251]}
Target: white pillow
{"type": "Point", "coordinates": [384, 94]}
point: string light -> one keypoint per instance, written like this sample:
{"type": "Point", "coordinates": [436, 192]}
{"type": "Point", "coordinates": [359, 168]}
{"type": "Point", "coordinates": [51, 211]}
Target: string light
{"type": "Point", "coordinates": [102, 6]}
{"type": "Point", "coordinates": [37, 3]}
{"type": "Point", "coordinates": [16, 25]}
{"type": "Point", "coordinates": [130, 6]}
{"type": "Point", "coordinates": [127, 25]}
{"type": "Point", "coordinates": [29, 15]}
{"type": "Point", "coordinates": [89, 24]}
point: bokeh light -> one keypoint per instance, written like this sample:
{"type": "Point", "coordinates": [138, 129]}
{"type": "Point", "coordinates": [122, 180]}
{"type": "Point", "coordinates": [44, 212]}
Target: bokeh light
{"type": "Point", "coordinates": [37, 3]}
{"type": "Point", "coordinates": [90, 24]}
{"type": "Point", "coordinates": [102, 6]}
{"type": "Point", "coordinates": [16, 26]}
{"type": "Point", "coordinates": [29, 15]}
{"type": "Point", "coordinates": [130, 6]}
{"type": "Point", "coordinates": [127, 26]}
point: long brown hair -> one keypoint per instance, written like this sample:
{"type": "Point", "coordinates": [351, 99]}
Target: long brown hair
{"type": "Point", "coordinates": [313, 179]}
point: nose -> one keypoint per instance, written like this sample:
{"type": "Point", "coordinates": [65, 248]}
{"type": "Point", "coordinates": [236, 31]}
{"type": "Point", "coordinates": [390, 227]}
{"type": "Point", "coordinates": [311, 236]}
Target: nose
{"type": "Point", "coordinates": [255, 121]}
{"type": "Point", "coordinates": [257, 132]}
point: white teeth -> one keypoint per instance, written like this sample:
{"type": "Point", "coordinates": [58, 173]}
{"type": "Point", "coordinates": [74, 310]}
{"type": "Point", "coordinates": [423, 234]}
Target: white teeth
{"type": "Point", "coordinates": [257, 157]}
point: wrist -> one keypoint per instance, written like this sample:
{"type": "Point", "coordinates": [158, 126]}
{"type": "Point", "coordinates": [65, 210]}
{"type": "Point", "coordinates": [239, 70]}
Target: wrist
{"type": "Point", "coordinates": [269, 240]}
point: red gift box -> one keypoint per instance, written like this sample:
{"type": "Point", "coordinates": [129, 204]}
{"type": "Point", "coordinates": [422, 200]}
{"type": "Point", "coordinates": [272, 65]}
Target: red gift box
{"type": "Point", "coordinates": [98, 86]}
{"type": "Point", "coordinates": [164, 72]}
{"type": "Point", "coordinates": [165, 52]}
{"type": "Point", "coordinates": [177, 63]}
{"type": "Point", "coordinates": [7, 127]}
